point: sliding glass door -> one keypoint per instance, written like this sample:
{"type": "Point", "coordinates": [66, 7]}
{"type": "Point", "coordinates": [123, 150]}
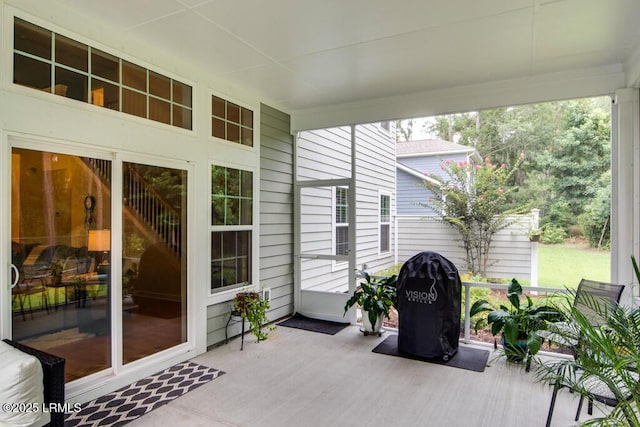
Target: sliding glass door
{"type": "Point", "coordinates": [60, 255]}
{"type": "Point", "coordinates": [154, 279]}
{"type": "Point", "coordinates": [80, 291]}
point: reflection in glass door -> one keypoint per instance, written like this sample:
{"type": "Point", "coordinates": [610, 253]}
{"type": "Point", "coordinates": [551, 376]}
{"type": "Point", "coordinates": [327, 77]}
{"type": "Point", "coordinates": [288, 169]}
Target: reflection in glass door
{"type": "Point", "coordinates": [154, 282]}
{"type": "Point", "coordinates": [60, 255]}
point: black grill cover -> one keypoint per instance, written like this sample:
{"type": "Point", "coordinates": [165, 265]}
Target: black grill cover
{"type": "Point", "coordinates": [429, 290]}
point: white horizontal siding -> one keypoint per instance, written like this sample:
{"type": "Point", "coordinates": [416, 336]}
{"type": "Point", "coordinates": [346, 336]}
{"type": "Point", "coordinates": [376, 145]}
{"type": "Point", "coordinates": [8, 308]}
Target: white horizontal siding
{"type": "Point", "coordinates": [375, 172]}
{"type": "Point", "coordinates": [510, 251]}
{"type": "Point", "coordinates": [325, 154]}
{"type": "Point", "coordinates": [276, 210]}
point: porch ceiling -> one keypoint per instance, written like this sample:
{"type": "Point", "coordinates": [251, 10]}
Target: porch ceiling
{"type": "Point", "coordinates": [309, 56]}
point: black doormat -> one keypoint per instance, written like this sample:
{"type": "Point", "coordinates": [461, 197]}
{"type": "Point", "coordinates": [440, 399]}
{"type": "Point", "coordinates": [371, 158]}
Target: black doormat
{"type": "Point", "coordinates": [299, 321]}
{"type": "Point", "coordinates": [133, 401]}
{"type": "Point", "coordinates": [469, 358]}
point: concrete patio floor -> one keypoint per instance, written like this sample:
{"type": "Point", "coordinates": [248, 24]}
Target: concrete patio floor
{"type": "Point", "coordinates": [301, 378]}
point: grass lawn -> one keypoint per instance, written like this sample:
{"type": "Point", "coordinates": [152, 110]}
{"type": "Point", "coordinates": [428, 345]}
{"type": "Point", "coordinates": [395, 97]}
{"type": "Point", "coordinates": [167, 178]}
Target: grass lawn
{"type": "Point", "coordinates": [565, 264]}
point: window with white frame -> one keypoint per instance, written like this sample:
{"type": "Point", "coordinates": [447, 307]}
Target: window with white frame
{"type": "Point", "coordinates": [50, 62]}
{"type": "Point", "coordinates": [231, 122]}
{"type": "Point", "coordinates": [231, 227]}
{"type": "Point", "coordinates": [341, 221]}
{"type": "Point", "coordinates": [385, 223]}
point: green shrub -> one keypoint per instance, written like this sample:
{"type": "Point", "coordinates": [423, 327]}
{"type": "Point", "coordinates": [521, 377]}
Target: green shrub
{"type": "Point", "coordinates": [576, 231]}
{"type": "Point", "coordinates": [553, 234]}
{"type": "Point", "coordinates": [595, 220]}
{"type": "Point", "coordinates": [394, 269]}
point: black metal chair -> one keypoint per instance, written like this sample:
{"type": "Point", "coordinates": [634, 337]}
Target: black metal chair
{"type": "Point", "coordinates": [599, 391]}
{"type": "Point", "coordinates": [590, 293]}
{"type": "Point", "coordinates": [27, 289]}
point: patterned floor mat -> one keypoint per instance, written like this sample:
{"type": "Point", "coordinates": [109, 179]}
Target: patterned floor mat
{"type": "Point", "coordinates": [133, 401]}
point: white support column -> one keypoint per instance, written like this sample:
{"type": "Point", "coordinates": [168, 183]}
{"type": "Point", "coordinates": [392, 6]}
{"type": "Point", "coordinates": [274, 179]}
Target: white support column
{"type": "Point", "coordinates": [353, 215]}
{"type": "Point", "coordinates": [535, 221]}
{"type": "Point", "coordinates": [297, 244]}
{"type": "Point", "coordinates": [624, 188]}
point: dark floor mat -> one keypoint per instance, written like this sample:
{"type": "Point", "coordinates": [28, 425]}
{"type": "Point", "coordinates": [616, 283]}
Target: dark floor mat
{"type": "Point", "coordinates": [299, 321]}
{"type": "Point", "coordinates": [469, 358]}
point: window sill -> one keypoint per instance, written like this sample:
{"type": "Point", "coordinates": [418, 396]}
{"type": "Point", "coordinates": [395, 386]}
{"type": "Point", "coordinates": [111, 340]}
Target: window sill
{"type": "Point", "coordinates": [226, 295]}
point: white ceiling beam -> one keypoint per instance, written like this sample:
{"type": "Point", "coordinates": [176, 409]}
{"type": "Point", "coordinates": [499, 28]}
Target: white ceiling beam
{"type": "Point", "coordinates": [632, 70]}
{"type": "Point", "coordinates": [581, 83]}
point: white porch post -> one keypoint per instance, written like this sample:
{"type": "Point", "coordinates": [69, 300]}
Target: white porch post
{"type": "Point", "coordinates": [352, 218]}
{"type": "Point", "coordinates": [624, 189]}
{"type": "Point", "coordinates": [297, 244]}
{"type": "Point", "coordinates": [535, 220]}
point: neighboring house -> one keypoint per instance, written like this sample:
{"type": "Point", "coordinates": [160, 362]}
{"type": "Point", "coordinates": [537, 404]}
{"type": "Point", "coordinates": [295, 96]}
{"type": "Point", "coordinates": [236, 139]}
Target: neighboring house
{"type": "Point", "coordinates": [418, 226]}
{"type": "Point", "coordinates": [417, 159]}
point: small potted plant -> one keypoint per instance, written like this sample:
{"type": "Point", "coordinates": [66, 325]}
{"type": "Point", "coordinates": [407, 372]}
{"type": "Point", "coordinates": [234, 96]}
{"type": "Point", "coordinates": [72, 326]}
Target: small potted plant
{"type": "Point", "coordinates": [518, 323]}
{"type": "Point", "coordinates": [55, 270]}
{"type": "Point", "coordinates": [375, 297]}
{"type": "Point", "coordinates": [534, 234]}
{"type": "Point", "coordinates": [251, 306]}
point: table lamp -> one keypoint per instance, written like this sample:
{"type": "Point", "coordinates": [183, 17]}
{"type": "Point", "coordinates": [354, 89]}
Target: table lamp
{"type": "Point", "coordinates": [100, 241]}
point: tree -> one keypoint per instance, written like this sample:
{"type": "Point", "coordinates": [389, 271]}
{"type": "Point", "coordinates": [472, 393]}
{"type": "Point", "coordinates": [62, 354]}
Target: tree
{"type": "Point", "coordinates": [565, 146]}
{"type": "Point", "coordinates": [471, 199]}
{"type": "Point", "coordinates": [404, 130]}
{"type": "Point", "coordinates": [459, 128]}
{"type": "Point", "coordinates": [578, 156]}
{"type": "Point", "coordinates": [596, 218]}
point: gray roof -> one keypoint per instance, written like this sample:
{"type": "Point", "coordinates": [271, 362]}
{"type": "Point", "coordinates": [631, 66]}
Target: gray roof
{"type": "Point", "coordinates": [429, 147]}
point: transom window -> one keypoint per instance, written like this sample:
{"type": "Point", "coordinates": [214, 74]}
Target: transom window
{"type": "Point", "coordinates": [231, 122]}
{"type": "Point", "coordinates": [231, 227]}
{"type": "Point", "coordinates": [53, 63]}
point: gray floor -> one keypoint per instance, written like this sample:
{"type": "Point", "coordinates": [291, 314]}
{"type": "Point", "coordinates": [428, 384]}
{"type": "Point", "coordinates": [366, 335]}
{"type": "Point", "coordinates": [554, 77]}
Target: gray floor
{"type": "Point", "coordinates": [300, 378]}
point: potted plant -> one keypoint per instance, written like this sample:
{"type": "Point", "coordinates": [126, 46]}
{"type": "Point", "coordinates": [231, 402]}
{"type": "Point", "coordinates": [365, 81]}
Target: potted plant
{"type": "Point", "coordinates": [55, 270]}
{"type": "Point", "coordinates": [375, 296]}
{"type": "Point", "coordinates": [534, 234]}
{"type": "Point", "coordinates": [518, 323]}
{"type": "Point", "coordinates": [251, 306]}
{"type": "Point", "coordinates": [605, 363]}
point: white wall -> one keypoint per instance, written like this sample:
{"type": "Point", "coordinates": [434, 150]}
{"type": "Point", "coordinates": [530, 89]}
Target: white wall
{"type": "Point", "coordinates": [510, 254]}
{"type": "Point", "coordinates": [86, 129]}
{"type": "Point", "coordinates": [325, 154]}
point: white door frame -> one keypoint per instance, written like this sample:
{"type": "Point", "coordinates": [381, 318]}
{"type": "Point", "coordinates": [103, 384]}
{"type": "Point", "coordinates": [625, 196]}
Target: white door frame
{"type": "Point", "coordinates": [312, 303]}
{"type": "Point", "coordinates": [117, 375]}
{"type": "Point", "coordinates": [319, 304]}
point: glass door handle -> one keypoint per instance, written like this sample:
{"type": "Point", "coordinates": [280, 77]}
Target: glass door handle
{"type": "Point", "coordinates": [17, 273]}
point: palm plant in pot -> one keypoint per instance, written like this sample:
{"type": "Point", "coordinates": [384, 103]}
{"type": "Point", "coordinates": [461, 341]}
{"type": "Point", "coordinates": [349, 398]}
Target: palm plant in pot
{"type": "Point", "coordinates": [375, 296]}
{"type": "Point", "coordinates": [606, 358]}
{"type": "Point", "coordinates": [518, 323]}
